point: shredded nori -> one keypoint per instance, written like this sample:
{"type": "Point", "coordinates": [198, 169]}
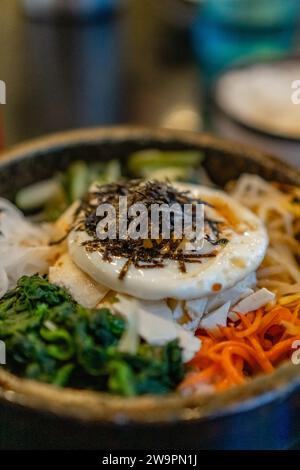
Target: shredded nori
{"type": "Point", "coordinates": [135, 251]}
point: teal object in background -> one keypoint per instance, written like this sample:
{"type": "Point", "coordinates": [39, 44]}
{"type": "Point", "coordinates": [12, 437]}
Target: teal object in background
{"type": "Point", "coordinates": [253, 13]}
{"type": "Point", "coordinates": [228, 32]}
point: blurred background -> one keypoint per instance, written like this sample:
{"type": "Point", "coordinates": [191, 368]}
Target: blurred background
{"type": "Point", "coordinates": [225, 66]}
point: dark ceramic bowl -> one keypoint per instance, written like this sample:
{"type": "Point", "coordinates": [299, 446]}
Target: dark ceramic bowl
{"type": "Point", "coordinates": [262, 415]}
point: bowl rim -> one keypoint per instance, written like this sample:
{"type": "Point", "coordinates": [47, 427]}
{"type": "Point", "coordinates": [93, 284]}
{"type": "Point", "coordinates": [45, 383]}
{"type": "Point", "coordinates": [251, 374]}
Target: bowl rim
{"type": "Point", "coordinates": [95, 407]}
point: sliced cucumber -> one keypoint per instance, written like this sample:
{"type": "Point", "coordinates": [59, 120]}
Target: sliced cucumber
{"type": "Point", "coordinates": [77, 180]}
{"type": "Point", "coordinates": [144, 160]}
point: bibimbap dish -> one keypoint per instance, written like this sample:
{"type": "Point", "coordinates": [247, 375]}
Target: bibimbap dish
{"type": "Point", "coordinates": [141, 314]}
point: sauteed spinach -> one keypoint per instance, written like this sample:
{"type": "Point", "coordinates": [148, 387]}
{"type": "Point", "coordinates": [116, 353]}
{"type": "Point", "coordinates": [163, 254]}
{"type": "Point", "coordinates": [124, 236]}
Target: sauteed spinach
{"type": "Point", "coordinates": [51, 338]}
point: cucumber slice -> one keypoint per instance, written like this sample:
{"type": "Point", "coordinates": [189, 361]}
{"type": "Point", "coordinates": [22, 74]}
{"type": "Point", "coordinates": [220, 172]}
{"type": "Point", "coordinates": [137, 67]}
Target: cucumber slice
{"type": "Point", "coordinates": [154, 159]}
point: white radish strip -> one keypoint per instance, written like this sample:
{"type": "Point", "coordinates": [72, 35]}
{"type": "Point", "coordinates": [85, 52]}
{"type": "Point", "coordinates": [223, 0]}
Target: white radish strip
{"type": "Point", "coordinates": [196, 308]}
{"type": "Point", "coordinates": [257, 300]}
{"type": "Point", "coordinates": [156, 325]}
{"type": "Point", "coordinates": [216, 318]}
{"type": "Point", "coordinates": [24, 248]}
{"type": "Point", "coordinates": [3, 282]}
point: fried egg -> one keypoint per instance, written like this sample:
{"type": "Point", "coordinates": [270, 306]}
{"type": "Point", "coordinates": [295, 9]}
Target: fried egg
{"type": "Point", "coordinates": [230, 263]}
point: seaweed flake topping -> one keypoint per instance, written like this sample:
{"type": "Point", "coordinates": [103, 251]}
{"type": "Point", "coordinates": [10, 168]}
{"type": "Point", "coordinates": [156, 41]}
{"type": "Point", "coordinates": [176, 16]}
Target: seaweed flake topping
{"type": "Point", "coordinates": [149, 253]}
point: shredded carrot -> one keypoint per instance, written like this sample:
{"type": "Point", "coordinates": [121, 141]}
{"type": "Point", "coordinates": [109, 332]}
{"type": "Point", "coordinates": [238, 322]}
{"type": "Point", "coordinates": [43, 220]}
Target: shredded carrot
{"type": "Point", "coordinates": [284, 347]}
{"type": "Point", "coordinates": [194, 378]}
{"type": "Point", "coordinates": [229, 367]}
{"type": "Point", "coordinates": [223, 385]}
{"type": "Point", "coordinates": [253, 327]}
{"type": "Point", "coordinates": [256, 343]}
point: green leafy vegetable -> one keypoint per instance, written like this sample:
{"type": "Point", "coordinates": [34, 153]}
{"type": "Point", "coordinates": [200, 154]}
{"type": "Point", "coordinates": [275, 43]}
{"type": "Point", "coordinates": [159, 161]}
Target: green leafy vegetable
{"type": "Point", "coordinates": [51, 338]}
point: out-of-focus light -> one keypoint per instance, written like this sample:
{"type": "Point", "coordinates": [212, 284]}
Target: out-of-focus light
{"type": "Point", "coordinates": [182, 117]}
